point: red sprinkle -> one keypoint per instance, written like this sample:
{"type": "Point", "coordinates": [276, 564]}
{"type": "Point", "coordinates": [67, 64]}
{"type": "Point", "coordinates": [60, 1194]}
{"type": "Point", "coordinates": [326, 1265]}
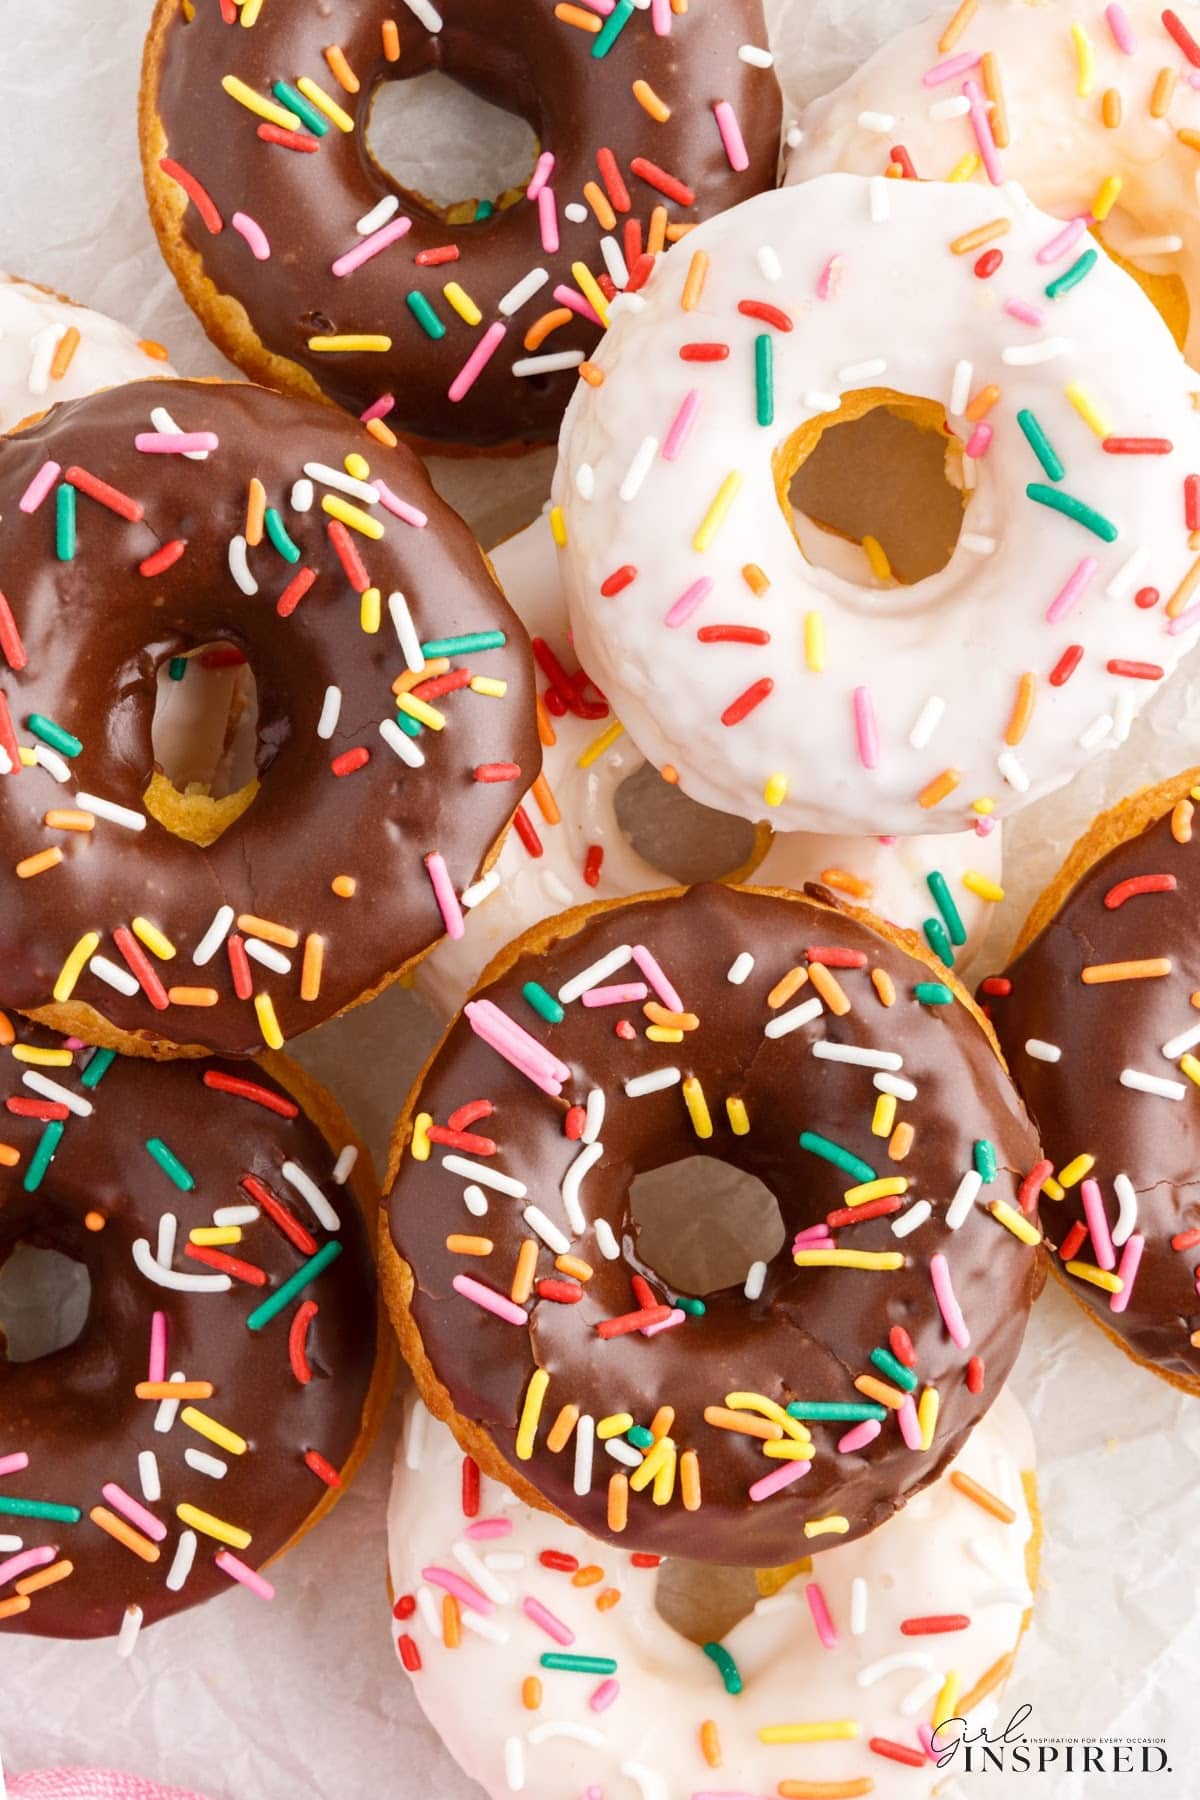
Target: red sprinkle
{"type": "Point", "coordinates": [902, 1347]}
{"type": "Point", "coordinates": [574, 1123]}
{"type": "Point", "coordinates": [461, 1140]}
{"type": "Point", "coordinates": [410, 1656]}
{"type": "Point", "coordinates": [618, 580]}
{"type": "Point", "coordinates": [470, 1488]}
{"type": "Point", "coordinates": [1146, 598]}
{"type": "Point", "coordinates": [350, 761]}
{"type": "Point", "coordinates": [555, 674]}
{"type": "Point", "coordinates": [643, 1559]}
{"type": "Point", "coordinates": [666, 183]}
{"type": "Point", "coordinates": [1183, 37]}
{"type": "Point", "coordinates": [625, 1030]}
{"type": "Point", "coordinates": [443, 684]}
{"type": "Point", "coordinates": [1034, 1182]}
{"type": "Point", "coordinates": [8, 736]}
{"type": "Point", "coordinates": [560, 1560]}
{"type": "Point", "coordinates": [1138, 671]}
{"type": "Point", "coordinates": [1135, 446]}
{"type": "Point", "coordinates": [633, 243]}
{"type": "Point", "coordinates": [563, 1293]}
{"type": "Point", "coordinates": [239, 965]}
{"type": "Point", "coordinates": [643, 1293]}
{"type": "Point", "coordinates": [1191, 502]}
{"type": "Point", "coordinates": [100, 491]}
{"type": "Point", "coordinates": [324, 1471]}
{"type": "Point", "coordinates": [302, 1318]}
{"type": "Point", "coordinates": [912, 1759]}
{"type": "Point", "coordinates": [770, 315]}
{"type": "Point", "coordinates": [227, 1265]}
{"type": "Point", "coordinates": [527, 832]}
{"type": "Point", "coordinates": [466, 1115]}
{"type": "Point", "coordinates": [613, 180]}
{"type": "Point", "coordinates": [348, 556]}
{"type": "Point", "coordinates": [10, 638]}
{"type": "Point", "coordinates": [624, 1323]}
{"type": "Point", "coordinates": [279, 1214]}
{"type": "Point", "coordinates": [442, 253]}
{"type": "Point", "coordinates": [934, 1624]}
{"type": "Point", "coordinates": [37, 1109]}
{"type": "Point", "coordinates": [744, 705]}
{"type": "Point", "coordinates": [996, 984]}
{"type": "Point", "coordinates": [497, 771]}
{"type": "Point", "coordinates": [1066, 665]}
{"type": "Point", "coordinates": [287, 140]}
{"type": "Point", "coordinates": [834, 958]}
{"type": "Point", "coordinates": [641, 268]}
{"type": "Point", "coordinates": [160, 560]}
{"type": "Point", "coordinates": [228, 658]}
{"type": "Point", "coordinates": [1072, 1244]}
{"type": "Point", "coordinates": [871, 1209]}
{"type": "Point", "coordinates": [1138, 884]}
{"type": "Point", "coordinates": [294, 592]}
{"type": "Point", "coordinates": [733, 634]}
{"type": "Point", "coordinates": [975, 1375]}
{"type": "Point", "coordinates": [141, 966]}
{"type": "Point", "coordinates": [250, 1090]}
{"type": "Point", "coordinates": [703, 352]}
{"type": "Point", "coordinates": [1185, 1240]}
{"type": "Point", "coordinates": [405, 1607]}
{"type": "Point", "coordinates": [199, 196]}
{"type": "Point", "coordinates": [904, 162]}
{"type": "Point", "coordinates": [591, 864]}
{"type": "Point", "coordinates": [988, 263]}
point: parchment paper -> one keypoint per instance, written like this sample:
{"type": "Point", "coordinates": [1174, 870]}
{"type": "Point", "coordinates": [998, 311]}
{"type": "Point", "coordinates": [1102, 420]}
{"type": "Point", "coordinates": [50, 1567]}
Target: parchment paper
{"type": "Point", "coordinates": [302, 1698]}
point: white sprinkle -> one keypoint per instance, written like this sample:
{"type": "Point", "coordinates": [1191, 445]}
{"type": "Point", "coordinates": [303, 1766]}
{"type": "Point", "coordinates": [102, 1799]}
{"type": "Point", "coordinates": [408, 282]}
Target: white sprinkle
{"type": "Point", "coordinates": [769, 265]}
{"type": "Point", "coordinates": [161, 420]}
{"type": "Point", "coordinates": [331, 712]}
{"type": "Point", "coordinates": [908, 1221]}
{"type": "Point", "coordinates": [236, 1215]}
{"type": "Point", "coordinates": [585, 481]}
{"type": "Point", "coordinates": [406, 748]}
{"type": "Point", "coordinates": [127, 1637]}
{"type": "Point", "coordinates": [166, 1410]}
{"type": "Point", "coordinates": [1187, 1040]}
{"type": "Point", "coordinates": [1122, 715]}
{"type": "Point", "coordinates": [302, 494]}
{"type": "Point", "coordinates": [606, 1243]}
{"type": "Point", "coordinates": [960, 386]}
{"type": "Point", "coordinates": [638, 1085]}
{"type": "Point", "coordinates": [114, 975]}
{"type": "Point", "coordinates": [821, 403]}
{"type": "Point", "coordinates": [204, 1464]}
{"type": "Point", "coordinates": [514, 1764]}
{"type": "Point", "coordinates": [594, 974]}
{"type": "Point", "coordinates": [44, 344]}
{"type": "Point", "coordinates": [485, 1628]}
{"type": "Point", "coordinates": [740, 968]}
{"type": "Point", "coordinates": [793, 137]}
{"type": "Point", "coordinates": [52, 762]}
{"type": "Point", "coordinates": [1096, 732]}
{"type": "Point", "coordinates": [792, 1020]}
{"type": "Point", "coordinates": [427, 1607]}
{"type": "Point", "coordinates": [149, 1476]}
{"type": "Point", "coordinates": [486, 1177]}
{"type": "Point", "coordinates": [756, 1276]}
{"type": "Point", "coordinates": [964, 1199]}
{"type": "Point", "coordinates": [176, 1279]}
{"type": "Point", "coordinates": [1127, 1202]}
{"type": "Point", "coordinates": [1009, 765]}
{"type": "Point", "coordinates": [1128, 575]}
{"type": "Point", "coordinates": [881, 200]}
{"type": "Point", "coordinates": [956, 108]}
{"type": "Point", "coordinates": [480, 1574]}
{"type": "Point", "coordinates": [851, 1053]}
{"type": "Point", "coordinates": [239, 566]}
{"type": "Point", "coordinates": [308, 1190]}
{"type": "Point", "coordinates": [585, 1440]}
{"type": "Point", "coordinates": [345, 1165]}
{"type": "Point", "coordinates": [414, 1435]}
{"type": "Point", "coordinates": [587, 1159]}
{"type": "Point", "coordinates": [214, 937]}
{"type": "Point", "coordinates": [876, 121]}
{"type": "Point", "coordinates": [345, 484]}
{"type": "Point", "coordinates": [896, 1084]}
{"type": "Point", "coordinates": [1026, 355]}
{"type": "Point", "coordinates": [110, 811]}
{"type": "Point", "coordinates": [624, 1453]}
{"type": "Point", "coordinates": [859, 1599]}
{"type": "Point", "coordinates": [1153, 1084]}
{"type": "Point", "coordinates": [378, 215]}
{"type": "Point", "coordinates": [406, 631]}
{"type": "Point", "coordinates": [62, 1096]}
{"type": "Point", "coordinates": [479, 890]}
{"type": "Point", "coordinates": [927, 722]}
{"type": "Point", "coordinates": [268, 956]}
{"type": "Point", "coordinates": [168, 1228]}
{"type": "Point", "coordinates": [547, 1230]}
{"type": "Point", "coordinates": [577, 214]}
{"type": "Point", "coordinates": [755, 56]}
{"type": "Point", "coordinates": [614, 260]}
{"type": "Point", "coordinates": [887, 1665]}
{"type": "Point", "coordinates": [977, 542]}
{"type": "Point", "coordinates": [863, 371]}
{"type": "Point", "coordinates": [181, 1566]}
{"type": "Point", "coordinates": [551, 364]}
{"type": "Point", "coordinates": [1155, 246]}
{"type": "Point", "coordinates": [522, 291]}
{"type": "Point", "coordinates": [638, 469]}
{"type": "Point", "coordinates": [476, 1201]}
{"type": "Point", "coordinates": [1041, 1051]}
{"type": "Point", "coordinates": [593, 1116]}
{"type": "Point", "coordinates": [649, 1782]}
{"type": "Point", "coordinates": [9, 1543]}
{"type": "Point", "coordinates": [425, 13]}
{"type": "Point", "coordinates": [564, 1728]}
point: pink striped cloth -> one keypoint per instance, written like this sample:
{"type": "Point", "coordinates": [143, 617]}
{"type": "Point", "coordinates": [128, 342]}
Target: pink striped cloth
{"type": "Point", "coordinates": [88, 1784]}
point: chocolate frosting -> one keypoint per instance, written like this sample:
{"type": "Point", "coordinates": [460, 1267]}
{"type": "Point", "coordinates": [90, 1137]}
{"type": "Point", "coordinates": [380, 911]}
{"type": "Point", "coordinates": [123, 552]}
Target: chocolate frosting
{"type": "Point", "coordinates": [811, 1332]}
{"type": "Point", "coordinates": [95, 632]}
{"type": "Point", "coordinates": [520, 57]}
{"type": "Point", "coordinates": [75, 1412]}
{"type": "Point", "coordinates": [1081, 1106]}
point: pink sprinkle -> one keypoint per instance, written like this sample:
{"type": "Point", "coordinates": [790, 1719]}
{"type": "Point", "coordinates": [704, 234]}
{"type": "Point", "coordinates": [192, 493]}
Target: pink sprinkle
{"type": "Point", "coordinates": [674, 1318]}
{"type": "Point", "coordinates": [1185, 622]}
{"type": "Point", "coordinates": [603, 7]}
{"type": "Point", "coordinates": [818, 1606]}
{"type": "Point", "coordinates": [778, 1479]}
{"type": "Point", "coordinates": [491, 1302]}
{"type": "Point", "coordinates": [478, 360]}
{"type": "Point", "coordinates": [622, 994]}
{"type": "Point", "coordinates": [1123, 35]}
{"type": "Point", "coordinates": [1062, 243]}
{"type": "Point", "coordinates": [541, 1615]}
{"type": "Point", "coordinates": [1131, 1257]}
{"type": "Point", "coordinates": [981, 125]}
{"type": "Point", "coordinates": [378, 409]}
{"type": "Point", "coordinates": [985, 825]}
{"type": "Point", "coordinates": [1070, 592]}
{"type": "Point", "coordinates": [444, 894]}
{"type": "Point", "coordinates": [24, 1560]}
{"type": "Point", "coordinates": [516, 1046]}
{"type": "Point", "coordinates": [810, 1237]}
{"type": "Point", "coordinates": [652, 970]}
{"type": "Point", "coordinates": [547, 207]}
{"type": "Point", "coordinates": [980, 440]}
{"type": "Point", "coordinates": [572, 299]}
{"type": "Point", "coordinates": [688, 601]}
{"type": "Point", "coordinates": [1028, 315]}
{"type": "Point", "coordinates": [939, 1271]}
{"type": "Point", "coordinates": [660, 17]}
{"type": "Point", "coordinates": [866, 730]}
{"type": "Point", "coordinates": [830, 277]}
{"type": "Point", "coordinates": [12, 1465]}
{"type": "Point", "coordinates": [952, 68]}
{"type": "Point", "coordinates": [731, 136]}
{"type": "Point", "coordinates": [910, 1426]}
{"type": "Point", "coordinates": [463, 1590]}
{"type": "Point", "coordinates": [1097, 1224]}
{"type": "Point", "coordinates": [543, 169]}
{"type": "Point", "coordinates": [859, 1436]}
{"type": "Point", "coordinates": [237, 1570]}
{"type": "Point", "coordinates": [40, 486]}
{"type": "Point", "coordinates": [254, 235]}
{"type": "Point", "coordinates": [157, 1370]}
{"type": "Point", "coordinates": [174, 443]}
{"type": "Point", "coordinates": [134, 1511]}
{"type": "Point", "coordinates": [370, 246]}
{"type": "Point", "coordinates": [412, 515]}
{"type": "Point", "coordinates": [681, 425]}
{"type": "Point", "coordinates": [605, 1694]}
{"type": "Point", "coordinates": [489, 1528]}
{"type": "Point", "coordinates": [926, 1737]}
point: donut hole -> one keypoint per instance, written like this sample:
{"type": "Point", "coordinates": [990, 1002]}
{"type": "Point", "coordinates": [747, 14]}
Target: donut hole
{"type": "Point", "coordinates": [876, 491]}
{"type": "Point", "coordinates": [45, 1298]}
{"type": "Point", "coordinates": [205, 742]}
{"type": "Point", "coordinates": [446, 148]}
{"type": "Point", "coordinates": [685, 841]}
{"type": "Point", "coordinates": [701, 1224]}
{"type": "Point", "coordinates": [704, 1602]}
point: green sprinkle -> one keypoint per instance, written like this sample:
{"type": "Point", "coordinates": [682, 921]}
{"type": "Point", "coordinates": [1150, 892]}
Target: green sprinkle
{"type": "Point", "coordinates": [1079, 510]}
{"type": "Point", "coordinates": [424, 314]}
{"type": "Point", "coordinates": [463, 646]}
{"type": "Point", "coordinates": [483, 210]}
{"type": "Point", "coordinates": [409, 726]}
{"type": "Point", "coordinates": [170, 1165]}
{"type": "Point", "coordinates": [40, 1509]}
{"type": "Point", "coordinates": [1040, 444]}
{"type": "Point", "coordinates": [894, 1369]}
{"type": "Point", "coordinates": [833, 1153]}
{"type": "Point", "coordinates": [944, 900]}
{"type": "Point", "coordinates": [933, 993]}
{"type": "Point", "coordinates": [939, 943]}
{"type": "Point", "coordinates": [43, 1156]}
{"type": "Point", "coordinates": [1071, 278]}
{"type": "Point", "coordinates": [283, 1297]}
{"type": "Point", "coordinates": [54, 735]}
{"type": "Point", "coordinates": [848, 1410]}
{"type": "Point", "coordinates": [64, 523]}
{"type": "Point", "coordinates": [295, 102]}
{"type": "Point", "coordinates": [98, 1068]}
{"type": "Point", "coordinates": [177, 668]}
{"type": "Point", "coordinates": [764, 380]}
{"type": "Point", "coordinates": [639, 1437]}
{"type": "Point", "coordinates": [731, 1675]}
{"type": "Point", "coordinates": [686, 1304]}
{"type": "Point", "coordinates": [277, 532]}
{"type": "Point", "coordinates": [985, 1159]}
{"type": "Point", "coordinates": [578, 1665]}
{"type": "Point", "coordinates": [543, 1004]}
{"type": "Point", "coordinates": [612, 28]}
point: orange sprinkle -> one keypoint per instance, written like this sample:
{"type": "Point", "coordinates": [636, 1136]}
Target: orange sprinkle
{"type": "Point", "coordinates": [983, 403]}
{"type": "Point", "coordinates": [587, 371]}
{"type": "Point", "coordinates": [340, 69]}
{"type": "Point", "coordinates": [825, 1790]}
{"type": "Point", "coordinates": [618, 1497]}
{"type": "Point", "coordinates": [982, 234]}
{"type": "Point", "coordinates": [39, 862]}
{"type": "Point", "coordinates": [656, 235]}
{"type": "Point", "coordinates": [1092, 974]}
{"type": "Point", "coordinates": [7, 1034]}
{"type": "Point", "coordinates": [982, 1497]}
{"type": "Point", "coordinates": [560, 1431]}
{"type": "Point", "coordinates": [884, 986]}
{"type": "Point", "coordinates": [674, 1021]}
{"type": "Point", "coordinates": [383, 434]}
{"type": "Point", "coordinates": [710, 1736]}
{"type": "Point", "coordinates": [391, 40]}
{"type": "Point", "coordinates": [174, 1390]}
{"type": "Point", "coordinates": [94, 1221]}
{"type": "Point", "coordinates": [546, 803]}
{"type": "Point", "coordinates": [670, 774]}
{"type": "Point", "coordinates": [755, 580]}
{"type": "Point", "coordinates": [155, 351]}
{"type": "Point", "coordinates": [693, 287]}
{"type": "Point", "coordinates": [9, 1157]}
{"type": "Point", "coordinates": [679, 7]}
{"type": "Point", "coordinates": [547, 735]}
{"type": "Point", "coordinates": [256, 507]}
{"type": "Point", "coordinates": [411, 678]}
{"type": "Point", "coordinates": [588, 1576]}
{"type": "Point", "coordinates": [575, 15]}
{"type": "Point", "coordinates": [747, 1424]}
{"type": "Point", "coordinates": [879, 1390]}
{"type": "Point", "coordinates": [522, 1281]}
{"type": "Point", "coordinates": [63, 356]}
{"type": "Point", "coordinates": [847, 883]}
{"type": "Point", "coordinates": [531, 1693]}
{"type": "Point", "coordinates": [69, 819]}
{"type": "Point", "coordinates": [18, 1604]}
{"type": "Point", "coordinates": [1164, 93]}
{"type": "Point", "coordinates": [901, 1141]}
{"type": "Point", "coordinates": [935, 791]}
{"type": "Point", "coordinates": [646, 98]}
{"type": "Point", "coordinates": [193, 996]}
{"type": "Point", "coordinates": [675, 232]}
{"type": "Point", "coordinates": [344, 886]}
{"type": "Point", "coordinates": [1181, 821]}
{"type": "Point", "coordinates": [575, 1267]}
{"type": "Point", "coordinates": [598, 200]}
{"type": "Point", "coordinates": [689, 1481]}
{"type": "Point", "coordinates": [460, 1244]}
{"type": "Point", "coordinates": [1022, 711]}
{"type": "Point", "coordinates": [124, 1534]}
{"type": "Point", "coordinates": [791, 984]}
{"type": "Point", "coordinates": [451, 1622]}
{"type": "Point", "coordinates": [267, 929]}
{"type": "Point", "coordinates": [957, 26]}
{"type": "Point", "coordinates": [993, 87]}
{"type": "Point", "coordinates": [44, 1578]}
{"type": "Point", "coordinates": [608, 1599]}
{"type": "Point", "coordinates": [662, 1422]}
{"type": "Point", "coordinates": [830, 988]}
{"type": "Point", "coordinates": [1184, 591]}
{"type": "Point", "coordinates": [312, 966]}
{"type": "Point", "coordinates": [1190, 138]}
{"type": "Point", "coordinates": [1111, 108]}
{"type": "Point", "coordinates": [541, 328]}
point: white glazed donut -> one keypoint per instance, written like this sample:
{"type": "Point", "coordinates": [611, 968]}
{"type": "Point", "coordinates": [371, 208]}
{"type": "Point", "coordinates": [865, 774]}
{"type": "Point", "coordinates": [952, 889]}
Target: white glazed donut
{"type": "Point", "coordinates": [891, 878]}
{"type": "Point", "coordinates": [1094, 102]}
{"type": "Point", "coordinates": [824, 1650]}
{"type": "Point", "coordinates": [879, 708]}
{"type": "Point", "coordinates": [34, 346]}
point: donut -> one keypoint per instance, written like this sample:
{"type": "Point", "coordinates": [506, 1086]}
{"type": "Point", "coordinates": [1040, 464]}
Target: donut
{"type": "Point", "coordinates": [570, 847]}
{"type": "Point", "coordinates": [1097, 1015]}
{"type": "Point", "coordinates": [778, 689]}
{"type": "Point", "coordinates": [396, 727]}
{"type": "Point", "coordinates": [1093, 109]}
{"type": "Point", "coordinates": [905, 1270]}
{"type": "Point", "coordinates": [51, 349]}
{"type": "Point", "coordinates": [226, 1383]}
{"type": "Point", "coordinates": [463, 327]}
{"type": "Point", "coordinates": [578, 1683]}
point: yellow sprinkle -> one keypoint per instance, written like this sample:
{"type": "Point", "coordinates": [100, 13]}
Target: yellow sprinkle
{"type": "Point", "coordinates": [353, 516]}
{"type": "Point", "coordinates": [1014, 1221]}
{"type": "Point", "coordinates": [462, 303]}
{"type": "Point", "coordinates": [982, 885]}
{"type": "Point", "coordinates": [490, 685]}
{"type": "Point", "coordinates": [646, 98]}
{"type": "Point", "coordinates": [1190, 1067]}
{"type": "Point", "coordinates": [28, 759]}
{"type": "Point", "coordinates": [769, 1409]}
{"type": "Point", "coordinates": [421, 709]}
{"type": "Point", "coordinates": [351, 343]}
{"type": "Point", "coordinates": [1101, 1278]}
{"type": "Point", "coordinates": [558, 526]}
{"type": "Point", "coordinates": [985, 805]}
{"type": "Point", "coordinates": [233, 1535]}
{"type": "Point", "coordinates": [848, 1259]}
{"type": "Point", "coordinates": [1051, 1189]}
{"type": "Point", "coordinates": [814, 641]}
{"type": "Point", "coordinates": [697, 1105]}
{"type": "Point", "coordinates": [314, 962]}
{"type": "Point", "coordinates": [823, 1731]}
{"type": "Point", "coordinates": [357, 465]}
{"type": "Point", "coordinates": [1075, 1170]}
{"type": "Point", "coordinates": [250, 12]}
{"type": "Point", "coordinates": [965, 167]}
{"type": "Point", "coordinates": [718, 512]}
{"type": "Point", "coordinates": [1106, 197]}
{"type": "Point", "coordinates": [1088, 410]}
{"type": "Point", "coordinates": [838, 1525]}
{"type": "Point", "coordinates": [615, 1425]}
{"type": "Point", "coordinates": [325, 103]}
{"type": "Point", "coordinates": [877, 556]}
{"type": "Point", "coordinates": [213, 1430]}
{"type": "Point", "coordinates": [215, 1236]}
{"type": "Point", "coordinates": [787, 1450]}
{"type": "Point", "coordinates": [664, 1034]}
{"type": "Point", "coordinates": [883, 1189]}
{"type": "Point", "coordinates": [884, 1116]}
{"type": "Point", "coordinates": [74, 966]}
{"type": "Point", "coordinates": [44, 1059]}
{"type": "Point", "coordinates": [38, 863]}
{"type": "Point", "coordinates": [927, 1415]}
{"type": "Point", "coordinates": [599, 745]}
{"type": "Point", "coordinates": [739, 1119]}
{"type": "Point", "coordinates": [655, 1459]}
{"type": "Point", "coordinates": [266, 109]}
{"type": "Point", "coordinates": [268, 1024]}
{"type": "Point", "coordinates": [664, 1480]}
{"type": "Point", "coordinates": [421, 1147]}
{"type": "Point", "coordinates": [775, 792]}
{"type": "Point", "coordinates": [531, 1412]}
{"type": "Point", "coordinates": [590, 289]}
{"type": "Point", "coordinates": [155, 940]}
{"type": "Point", "coordinates": [1086, 58]}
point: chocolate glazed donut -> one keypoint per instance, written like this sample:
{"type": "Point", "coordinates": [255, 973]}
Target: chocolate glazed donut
{"type": "Point", "coordinates": [811, 1048]}
{"type": "Point", "coordinates": [646, 123]}
{"type": "Point", "coordinates": [139, 555]}
{"type": "Point", "coordinates": [130, 1508]}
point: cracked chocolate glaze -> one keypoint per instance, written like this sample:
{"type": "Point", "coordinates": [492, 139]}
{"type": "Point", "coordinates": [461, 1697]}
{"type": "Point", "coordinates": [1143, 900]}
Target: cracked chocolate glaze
{"type": "Point", "coordinates": [1081, 1106]}
{"type": "Point", "coordinates": [93, 633]}
{"type": "Point", "coordinates": [75, 1413]}
{"type": "Point", "coordinates": [810, 1333]}
{"type": "Point", "coordinates": [519, 56]}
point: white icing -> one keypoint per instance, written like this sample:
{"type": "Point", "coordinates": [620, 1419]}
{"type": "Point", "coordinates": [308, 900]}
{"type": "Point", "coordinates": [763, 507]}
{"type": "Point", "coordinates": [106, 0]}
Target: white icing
{"type": "Point", "coordinates": [966, 634]}
{"type": "Point", "coordinates": [31, 324]}
{"type": "Point", "coordinates": [534, 888]}
{"type": "Point", "coordinates": [942, 1554]}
